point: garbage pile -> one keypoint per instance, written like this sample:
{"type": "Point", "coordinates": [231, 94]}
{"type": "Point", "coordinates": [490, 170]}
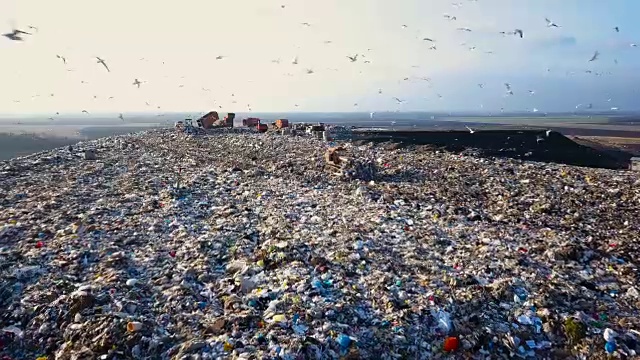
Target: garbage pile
{"type": "Point", "coordinates": [339, 164]}
{"type": "Point", "coordinates": [241, 245]}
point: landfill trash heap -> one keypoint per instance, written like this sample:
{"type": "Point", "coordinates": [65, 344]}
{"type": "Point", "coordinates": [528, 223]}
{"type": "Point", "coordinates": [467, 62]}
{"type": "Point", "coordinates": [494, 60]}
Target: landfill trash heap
{"type": "Point", "coordinates": [337, 163]}
{"type": "Point", "coordinates": [166, 245]}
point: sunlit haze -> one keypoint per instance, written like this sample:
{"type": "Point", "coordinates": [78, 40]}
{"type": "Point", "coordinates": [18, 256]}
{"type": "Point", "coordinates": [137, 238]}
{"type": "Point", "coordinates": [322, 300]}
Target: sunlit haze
{"type": "Point", "coordinates": [171, 47]}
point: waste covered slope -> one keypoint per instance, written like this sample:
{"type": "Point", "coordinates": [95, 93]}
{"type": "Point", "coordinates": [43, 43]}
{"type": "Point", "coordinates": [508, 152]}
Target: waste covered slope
{"type": "Point", "coordinates": [262, 253]}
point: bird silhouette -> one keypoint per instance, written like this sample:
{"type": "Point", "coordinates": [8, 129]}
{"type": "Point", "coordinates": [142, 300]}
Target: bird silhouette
{"type": "Point", "coordinates": [64, 60]}
{"type": "Point", "coordinates": [353, 58]}
{"type": "Point", "coordinates": [595, 56]}
{"type": "Point", "coordinates": [137, 82]}
{"type": "Point", "coordinates": [101, 61]}
{"type": "Point", "coordinates": [551, 23]}
{"type": "Point", "coordinates": [15, 35]}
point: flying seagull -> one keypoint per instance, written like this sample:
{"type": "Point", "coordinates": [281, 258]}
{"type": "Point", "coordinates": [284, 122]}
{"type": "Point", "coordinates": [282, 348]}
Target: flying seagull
{"type": "Point", "coordinates": [15, 35]}
{"type": "Point", "coordinates": [595, 56]}
{"type": "Point", "coordinates": [137, 82]}
{"type": "Point", "coordinates": [309, 71]}
{"type": "Point", "coordinates": [399, 101]}
{"type": "Point", "coordinates": [295, 61]}
{"type": "Point", "coordinates": [470, 129]}
{"type": "Point", "coordinates": [481, 86]}
{"type": "Point", "coordinates": [551, 23]}
{"type": "Point", "coordinates": [353, 58]}
{"type": "Point", "coordinates": [305, 24]}
{"type": "Point", "coordinates": [64, 60]}
{"type": "Point", "coordinates": [508, 86]}
{"type": "Point", "coordinates": [449, 17]}
{"type": "Point", "coordinates": [548, 132]}
{"type": "Point", "coordinates": [219, 57]}
{"type": "Point", "coordinates": [101, 61]}
{"type": "Point", "coordinates": [617, 29]}
{"type": "Point", "coordinates": [85, 111]}
{"type": "Point", "coordinates": [121, 117]}
{"type": "Point", "coordinates": [464, 29]}
{"type": "Point", "coordinates": [518, 32]}
{"type": "Point", "coordinates": [33, 28]}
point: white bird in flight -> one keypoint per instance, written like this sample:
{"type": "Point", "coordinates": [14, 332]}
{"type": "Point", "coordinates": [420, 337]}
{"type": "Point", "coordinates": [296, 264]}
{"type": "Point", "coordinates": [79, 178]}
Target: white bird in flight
{"type": "Point", "coordinates": [551, 23]}
{"type": "Point", "coordinates": [295, 61]}
{"type": "Point", "coordinates": [353, 58]}
{"type": "Point", "coordinates": [399, 101]}
{"type": "Point", "coordinates": [470, 129]}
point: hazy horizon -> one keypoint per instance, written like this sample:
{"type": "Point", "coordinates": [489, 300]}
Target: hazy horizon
{"type": "Point", "coordinates": [242, 58]}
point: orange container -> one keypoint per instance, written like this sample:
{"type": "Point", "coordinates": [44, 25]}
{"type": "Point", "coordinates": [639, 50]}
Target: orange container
{"type": "Point", "coordinates": [208, 120]}
{"type": "Point", "coordinates": [451, 344]}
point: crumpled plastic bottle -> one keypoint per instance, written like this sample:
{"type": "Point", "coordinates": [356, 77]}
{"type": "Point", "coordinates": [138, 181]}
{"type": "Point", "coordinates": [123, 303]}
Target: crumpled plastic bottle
{"type": "Point", "coordinates": [443, 319]}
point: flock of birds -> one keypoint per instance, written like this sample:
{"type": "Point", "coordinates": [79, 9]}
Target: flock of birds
{"type": "Point", "coordinates": [21, 35]}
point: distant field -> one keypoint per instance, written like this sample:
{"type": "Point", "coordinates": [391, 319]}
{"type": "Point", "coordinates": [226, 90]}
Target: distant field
{"type": "Point", "coordinates": [531, 120]}
{"type": "Point", "coordinates": [74, 131]}
{"type": "Point", "coordinates": [20, 140]}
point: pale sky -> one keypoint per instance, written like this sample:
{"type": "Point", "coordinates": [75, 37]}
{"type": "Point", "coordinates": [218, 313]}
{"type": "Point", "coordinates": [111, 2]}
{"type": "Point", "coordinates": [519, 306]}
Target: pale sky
{"type": "Point", "coordinates": [187, 36]}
